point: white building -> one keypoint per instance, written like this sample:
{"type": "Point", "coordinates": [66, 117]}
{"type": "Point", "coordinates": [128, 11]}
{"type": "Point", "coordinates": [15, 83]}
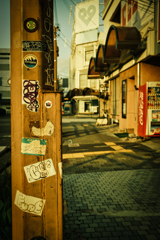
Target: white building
{"type": "Point", "coordinates": [85, 41]}
{"type": "Point", "coordinates": [4, 79]}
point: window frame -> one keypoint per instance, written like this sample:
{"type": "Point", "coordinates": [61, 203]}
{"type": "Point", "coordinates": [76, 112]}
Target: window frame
{"type": "Point", "coordinates": [124, 98]}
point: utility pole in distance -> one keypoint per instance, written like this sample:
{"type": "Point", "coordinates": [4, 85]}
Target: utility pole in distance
{"type": "Point", "coordinates": [35, 124]}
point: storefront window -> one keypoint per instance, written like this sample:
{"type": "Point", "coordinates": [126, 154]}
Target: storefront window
{"type": "Point", "coordinates": [124, 98]}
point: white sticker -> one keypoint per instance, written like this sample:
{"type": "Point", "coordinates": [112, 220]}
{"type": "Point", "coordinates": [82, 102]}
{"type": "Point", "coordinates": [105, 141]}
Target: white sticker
{"type": "Point", "coordinates": [39, 170]}
{"type": "Point", "coordinates": [29, 204]}
{"type": "Point", "coordinates": [60, 169]}
{"type": "Point", "coordinates": [33, 146]}
{"type": "Point", "coordinates": [48, 104]}
{"type": "Point", "coordinates": [46, 131]}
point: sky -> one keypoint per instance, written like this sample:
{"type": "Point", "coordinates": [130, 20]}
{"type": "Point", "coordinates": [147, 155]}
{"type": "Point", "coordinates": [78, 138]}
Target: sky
{"type": "Point", "coordinates": [63, 16]}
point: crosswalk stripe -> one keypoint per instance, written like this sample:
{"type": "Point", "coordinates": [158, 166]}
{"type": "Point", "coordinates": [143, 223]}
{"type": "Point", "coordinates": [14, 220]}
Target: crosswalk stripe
{"type": "Point", "coordinates": [83, 154]}
{"type": "Point", "coordinates": [110, 143]}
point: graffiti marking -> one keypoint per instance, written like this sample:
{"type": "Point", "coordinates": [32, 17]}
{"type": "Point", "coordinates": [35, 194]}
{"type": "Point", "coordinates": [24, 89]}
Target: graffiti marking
{"type": "Point", "coordinates": [29, 204]}
{"type": "Point", "coordinates": [30, 94]}
{"type": "Point", "coordinates": [40, 170]}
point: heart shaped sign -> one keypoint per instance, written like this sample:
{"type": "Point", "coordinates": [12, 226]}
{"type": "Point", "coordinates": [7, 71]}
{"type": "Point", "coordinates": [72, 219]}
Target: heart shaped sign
{"type": "Point", "coordinates": [87, 15]}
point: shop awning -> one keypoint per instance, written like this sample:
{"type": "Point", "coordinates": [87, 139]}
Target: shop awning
{"type": "Point", "coordinates": [92, 74]}
{"type": "Point", "coordinates": [90, 97]}
{"type": "Point", "coordinates": [122, 43]}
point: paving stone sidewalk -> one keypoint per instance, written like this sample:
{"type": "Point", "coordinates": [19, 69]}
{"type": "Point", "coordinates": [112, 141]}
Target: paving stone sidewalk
{"type": "Point", "coordinates": [106, 204]}
{"type": "Point", "coordinates": [112, 205]}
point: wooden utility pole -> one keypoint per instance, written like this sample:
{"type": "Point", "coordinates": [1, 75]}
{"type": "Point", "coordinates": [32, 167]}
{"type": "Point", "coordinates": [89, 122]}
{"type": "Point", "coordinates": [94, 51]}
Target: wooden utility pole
{"type": "Point", "coordinates": [35, 124]}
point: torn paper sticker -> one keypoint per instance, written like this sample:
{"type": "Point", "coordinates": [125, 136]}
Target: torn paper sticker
{"type": "Point", "coordinates": [60, 168]}
{"type": "Point", "coordinates": [39, 170]}
{"type": "Point", "coordinates": [46, 131]}
{"type": "Point", "coordinates": [29, 204]}
{"type": "Point", "coordinates": [33, 146]}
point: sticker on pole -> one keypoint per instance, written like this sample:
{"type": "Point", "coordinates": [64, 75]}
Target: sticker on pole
{"type": "Point", "coordinates": [30, 94]}
{"type": "Point", "coordinates": [30, 25]}
{"type": "Point", "coordinates": [39, 170]}
{"type": "Point", "coordinates": [34, 46]}
{"type": "Point", "coordinates": [33, 146]}
{"type": "Point", "coordinates": [46, 131]}
{"type": "Point", "coordinates": [30, 61]}
{"type": "Point", "coordinates": [48, 104]}
{"type": "Point", "coordinates": [29, 204]}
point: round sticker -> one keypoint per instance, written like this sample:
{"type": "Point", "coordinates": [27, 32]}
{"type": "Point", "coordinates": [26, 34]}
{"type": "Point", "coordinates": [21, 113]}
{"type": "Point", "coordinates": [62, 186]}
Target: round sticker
{"type": "Point", "coordinates": [30, 25]}
{"type": "Point", "coordinates": [48, 104]}
{"type": "Point", "coordinates": [9, 81]}
{"type": "Point", "coordinates": [30, 61]}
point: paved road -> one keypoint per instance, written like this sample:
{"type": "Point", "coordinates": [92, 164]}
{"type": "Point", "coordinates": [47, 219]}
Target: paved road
{"type": "Point", "coordinates": [111, 186]}
{"type": "Point", "coordinates": [90, 148]}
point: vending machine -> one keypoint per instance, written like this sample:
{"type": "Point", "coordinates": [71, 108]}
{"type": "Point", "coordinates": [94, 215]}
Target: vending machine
{"type": "Point", "coordinates": [149, 110]}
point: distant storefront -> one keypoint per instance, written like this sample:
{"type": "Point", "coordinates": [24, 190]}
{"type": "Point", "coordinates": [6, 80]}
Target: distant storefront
{"type": "Point", "coordinates": [85, 104]}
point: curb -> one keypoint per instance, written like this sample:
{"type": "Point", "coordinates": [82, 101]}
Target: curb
{"type": "Point", "coordinates": [5, 150]}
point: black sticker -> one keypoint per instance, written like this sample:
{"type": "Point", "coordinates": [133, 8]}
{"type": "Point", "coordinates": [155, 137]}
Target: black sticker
{"type": "Point", "coordinates": [30, 25]}
{"type": "Point", "coordinates": [34, 46]}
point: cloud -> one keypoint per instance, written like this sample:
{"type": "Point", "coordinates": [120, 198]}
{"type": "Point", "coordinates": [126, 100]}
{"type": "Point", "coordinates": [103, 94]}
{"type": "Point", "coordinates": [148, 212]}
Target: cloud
{"type": "Point", "coordinates": [63, 67]}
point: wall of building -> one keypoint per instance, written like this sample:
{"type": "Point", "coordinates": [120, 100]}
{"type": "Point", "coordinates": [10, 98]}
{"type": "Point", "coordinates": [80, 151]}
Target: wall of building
{"type": "Point", "coordinates": [107, 14]}
{"type": "Point", "coordinates": [4, 76]}
{"type": "Point", "coordinates": [114, 99]}
{"type": "Point", "coordinates": [149, 73]}
{"type": "Point", "coordinates": [130, 122]}
{"type": "Point", "coordinates": [157, 27]}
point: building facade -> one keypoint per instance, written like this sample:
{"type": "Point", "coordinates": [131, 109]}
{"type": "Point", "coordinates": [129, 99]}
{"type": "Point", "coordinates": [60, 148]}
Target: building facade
{"type": "Point", "coordinates": [5, 81]}
{"type": "Point", "coordinates": [85, 41]}
{"type": "Point", "coordinates": [129, 59]}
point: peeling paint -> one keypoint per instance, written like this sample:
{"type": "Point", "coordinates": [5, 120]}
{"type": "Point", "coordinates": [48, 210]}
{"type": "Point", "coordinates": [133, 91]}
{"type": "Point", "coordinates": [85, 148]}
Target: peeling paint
{"type": "Point", "coordinates": [46, 131]}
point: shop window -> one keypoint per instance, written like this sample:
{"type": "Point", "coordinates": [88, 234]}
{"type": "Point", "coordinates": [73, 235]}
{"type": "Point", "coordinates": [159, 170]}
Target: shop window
{"type": "Point", "coordinates": [116, 17]}
{"type": "Point", "coordinates": [88, 54]}
{"type": "Point", "coordinates": [4, 67]}
{"type": "Point", "coordinates": [83, 81]}
{"type": "Point", "coordinates": [124, 98]}
{"type": "Point", "coordinates": [95, 102]}
{"type": "Point", "coordinates": [93, 83]}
